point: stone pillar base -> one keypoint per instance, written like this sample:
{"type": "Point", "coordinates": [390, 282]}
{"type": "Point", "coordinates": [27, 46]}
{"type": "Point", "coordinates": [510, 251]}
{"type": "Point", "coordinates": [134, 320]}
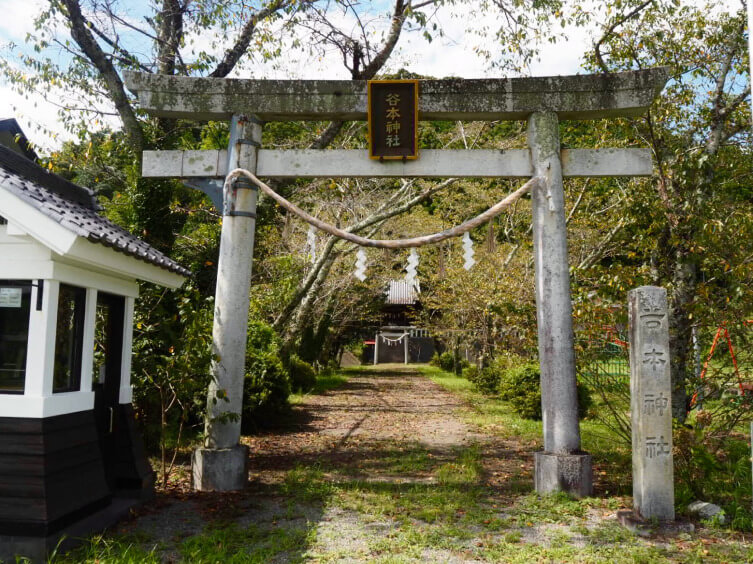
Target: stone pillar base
{"type": "Point", "coordinates": [570, 473]}
{"type": "Point", "coordinates": [221, 470]}
{"type": "Point", "coordinates": [651, 527]}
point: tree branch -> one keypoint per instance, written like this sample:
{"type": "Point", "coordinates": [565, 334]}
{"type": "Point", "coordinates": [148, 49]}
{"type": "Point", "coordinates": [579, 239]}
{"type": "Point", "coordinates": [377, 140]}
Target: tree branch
{"type": "Point", "coordinates": [598, 251]}
{"type": "Point", "coordinates": [81, 34]}
{"type": "Point", "coordinates": [328, 249]}
{"type": "Point", "coordinates": [376, 64]}
{"type": "Point", "coordinates": [369, 71]}
{"type": "Point", "coordinates": [234, 54]}
{"type": "Point", "coordinates": [610, 30]}
{"type": "Point", "coordinates": [124, 56]}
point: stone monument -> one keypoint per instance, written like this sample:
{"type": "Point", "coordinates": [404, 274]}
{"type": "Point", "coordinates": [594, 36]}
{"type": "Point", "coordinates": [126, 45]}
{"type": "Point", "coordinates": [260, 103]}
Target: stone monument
{"type": "Point", "coordinates": [651, 408]}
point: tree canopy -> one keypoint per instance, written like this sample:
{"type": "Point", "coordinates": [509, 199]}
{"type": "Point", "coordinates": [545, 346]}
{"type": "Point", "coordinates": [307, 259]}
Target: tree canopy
{"type": "Point", "coordinates": [687, 228]}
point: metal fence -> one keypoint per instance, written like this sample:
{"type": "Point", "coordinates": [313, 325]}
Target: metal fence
{"type": "Point", "coordinates": [720, 361]}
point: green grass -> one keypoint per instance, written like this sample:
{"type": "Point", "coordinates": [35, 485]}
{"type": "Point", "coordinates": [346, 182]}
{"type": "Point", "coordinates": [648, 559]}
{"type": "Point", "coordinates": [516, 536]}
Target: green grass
{"type": "Point", "coordinates": [125, 549]}
{"type": "Point", "coordinates": [232, 543]}
{"type": "Point", "coordinates": [411, 504]}
{"type": "Point", "coordinates": [496, 417]}
{"type": "Point", "coordinates": [490, 414]}
{"type": "Point", "coordinates": [466, 469]}
{"type": "Point", "coordinates": [324, 383]}
{"type": "Point", "coordinates": [408, 460]}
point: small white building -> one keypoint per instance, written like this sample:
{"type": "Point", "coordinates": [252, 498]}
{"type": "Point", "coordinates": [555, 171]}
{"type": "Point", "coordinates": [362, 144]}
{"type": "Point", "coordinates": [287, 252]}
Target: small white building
{"type": "Point", "coordinates": [398, 339]}
{"type": "Point", "coordinates": [70, 459]}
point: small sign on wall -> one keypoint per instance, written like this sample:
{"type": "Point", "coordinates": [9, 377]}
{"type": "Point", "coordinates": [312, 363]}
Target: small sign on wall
{"type": "Point", "coordinates": [10, 297]}
{"type": "Point", "coordinates": [393, 119]}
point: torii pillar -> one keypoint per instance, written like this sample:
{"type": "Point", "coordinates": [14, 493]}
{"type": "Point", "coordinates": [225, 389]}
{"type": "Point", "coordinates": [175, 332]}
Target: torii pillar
{"type": "Point", "coordinates": [541, 100]}
{"type": "Point", "coordinates": [562, 466]}
{"type": "Point", "coordinates": [221, 464]}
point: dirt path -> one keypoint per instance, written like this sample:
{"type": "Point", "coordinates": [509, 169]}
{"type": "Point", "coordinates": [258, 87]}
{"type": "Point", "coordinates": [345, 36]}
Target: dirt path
{"type": "Point", "coordinates": [393, 427]}
{"type": "Point", "coordinates": [390, 410]}
{"type": "Point", "coordinates": [387, 468]}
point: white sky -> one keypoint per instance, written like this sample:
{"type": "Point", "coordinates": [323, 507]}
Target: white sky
{"type": "Point", "coordinates": [451, 55]}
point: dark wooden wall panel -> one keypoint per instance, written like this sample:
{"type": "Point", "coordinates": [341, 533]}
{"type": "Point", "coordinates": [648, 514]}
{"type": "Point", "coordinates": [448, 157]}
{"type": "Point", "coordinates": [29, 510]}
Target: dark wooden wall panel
{"type": "Point", "coordinates": [132, 469]}
{"type": "Point", "coordinates": [50, 471]}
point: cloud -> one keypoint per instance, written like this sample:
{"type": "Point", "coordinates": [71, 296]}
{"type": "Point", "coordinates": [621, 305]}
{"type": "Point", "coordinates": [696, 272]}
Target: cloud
{"type": "Point", "coordinates": [18, 18]}
{"type": "Point", "coordinates": [38, 119]}
{"type": "Point", "coordinates": [454, 53]}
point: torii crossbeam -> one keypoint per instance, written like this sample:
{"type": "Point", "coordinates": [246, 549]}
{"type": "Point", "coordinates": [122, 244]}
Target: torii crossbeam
{"type": "Point", "coordinates": [221, 464]}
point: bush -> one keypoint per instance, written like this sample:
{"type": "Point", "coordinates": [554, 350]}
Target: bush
{"type": "Point", "coordinates": [521, 386]}
{"type": "Point", "coordinates": [446, 361]}
{"type": "Point", "coordinates": [266, 385]}
{"type": "Point", "coordinates": [470, 373]}
{"type": "Point", "coordinates": [266, 388]}
{"type": "Point", "coordinates": [302, 374]}
{"type": "Point", "coordinates": [485, 380]}
{"type": "Point", "coordinates": [261, 337]}
{"type": "Point", "coordinates": [585, 401]}
{"type": "Point", "coordinates": [706, 470]}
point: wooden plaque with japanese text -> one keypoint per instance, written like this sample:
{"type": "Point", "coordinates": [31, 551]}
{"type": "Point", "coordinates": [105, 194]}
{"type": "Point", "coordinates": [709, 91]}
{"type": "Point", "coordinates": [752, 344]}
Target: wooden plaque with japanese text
{"type": "Point", "coordinates": [393, 119]}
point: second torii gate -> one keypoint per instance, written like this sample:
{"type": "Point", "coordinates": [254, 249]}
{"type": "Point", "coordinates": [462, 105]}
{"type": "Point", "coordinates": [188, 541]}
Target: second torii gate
{"type": "Point", "coordinates": [221, 463]}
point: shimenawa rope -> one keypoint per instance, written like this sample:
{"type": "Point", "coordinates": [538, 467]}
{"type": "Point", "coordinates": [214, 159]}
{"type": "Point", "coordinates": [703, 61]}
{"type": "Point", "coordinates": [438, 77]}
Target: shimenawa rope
{"type": "Point", "coordinates": [456, 231]}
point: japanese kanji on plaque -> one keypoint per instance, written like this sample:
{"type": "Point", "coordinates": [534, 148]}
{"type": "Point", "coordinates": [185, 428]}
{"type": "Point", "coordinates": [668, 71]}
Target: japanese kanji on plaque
{"type": "Point", "coordinates": [393, 119]}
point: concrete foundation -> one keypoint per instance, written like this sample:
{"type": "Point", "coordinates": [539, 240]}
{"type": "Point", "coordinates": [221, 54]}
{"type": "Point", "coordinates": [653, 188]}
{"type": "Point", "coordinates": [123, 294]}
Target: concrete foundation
{"type": "Point", "coordinates": [222, 469]}
{"type": "Point", "coordinates": [569, 473]}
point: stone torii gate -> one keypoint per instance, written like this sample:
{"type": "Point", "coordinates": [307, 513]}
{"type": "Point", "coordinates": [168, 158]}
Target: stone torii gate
{"type": "Point", "coordinates": [543, 102]}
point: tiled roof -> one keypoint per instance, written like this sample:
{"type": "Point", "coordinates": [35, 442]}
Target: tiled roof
{"type": "Point", "coordinates": [74, 208]}
{"type": "Point", "coordinates": [402, 292]}
{"type": "Point", "coordinates": [13, 137]}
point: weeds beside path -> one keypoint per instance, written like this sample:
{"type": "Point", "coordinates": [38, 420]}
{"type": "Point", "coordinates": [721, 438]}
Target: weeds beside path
{"type": "Point", "coordinates": [394, 466]}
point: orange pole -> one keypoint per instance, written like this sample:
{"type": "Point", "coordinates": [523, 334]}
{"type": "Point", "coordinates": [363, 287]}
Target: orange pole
{"type": "Point", "coordinates": [734, 360]}
{"type": "Point", "coordinates": [706, 364]}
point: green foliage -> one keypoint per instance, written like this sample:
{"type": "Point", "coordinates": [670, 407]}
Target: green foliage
{"type": "Point", "coordinates": [683, 228]}
{"type": "Point", "coordinates": [302, 374]}
{"type": "Point", "coordinates": [266, 389]}
{"type": "Point", "coordinates": [126, 549]}
{"type": "Point", "coordinates": [261, 337]}
{"type": "Point", "coordinates": [446, 361]}
{"type": "Point", "coordinates": [707, 469]}
{"type": "Point", "coordinates": [470, 373]}
{"type": "Point", "coordinates": [486, 380]}
{"type": "Point", "coordinates": [521, 386]}
{"type": "Point", "coordinates": [585, 400]}
{"type": "Point", "coordinates": [171, 365]}
{"type": "Point", "coordinates": [266, 386]}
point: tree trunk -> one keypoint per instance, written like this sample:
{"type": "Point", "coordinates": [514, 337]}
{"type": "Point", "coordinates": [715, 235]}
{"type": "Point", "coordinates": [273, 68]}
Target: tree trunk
{"type": "Point", "coordinates": [681, 293]}
{"type": "Point", "coordinates": [307, 303]}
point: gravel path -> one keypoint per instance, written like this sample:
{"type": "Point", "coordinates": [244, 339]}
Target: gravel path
{"type": "Point", "coordinates": [362, 430]}
{"type": "Point", "coordinates": [388, 469]}
{"type": "Point", "coordinates": [391, 408]}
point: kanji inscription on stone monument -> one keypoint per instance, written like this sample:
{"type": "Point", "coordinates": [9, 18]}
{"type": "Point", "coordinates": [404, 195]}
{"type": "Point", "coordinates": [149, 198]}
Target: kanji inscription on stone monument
{"type": "Point", "coordinates": [393, 119]}
{"type": "Point", "coordinates": [650, 392]}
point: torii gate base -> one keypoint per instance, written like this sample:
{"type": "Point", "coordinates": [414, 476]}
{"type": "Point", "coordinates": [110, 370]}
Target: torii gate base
{"type": "Point", "coordinates": [561, 467]}
{"type": "Point", "coordinates": [221, 465]}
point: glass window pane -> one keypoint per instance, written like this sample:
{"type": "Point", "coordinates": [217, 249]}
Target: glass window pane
{"type": "Point", "coordinates": [100, 339]}
{"type": "Point", "coordinates": [15, 306]}
{"type": "Point", "coordinates": [69, 339]}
